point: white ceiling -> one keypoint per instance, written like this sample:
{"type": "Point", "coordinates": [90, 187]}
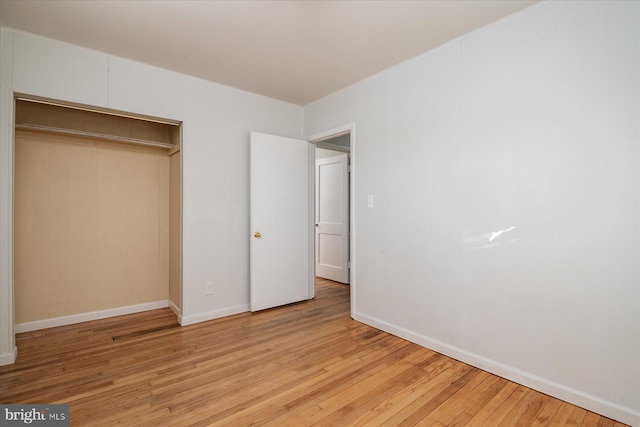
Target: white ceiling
{"type": "Point", "coordinates": [296, 51]}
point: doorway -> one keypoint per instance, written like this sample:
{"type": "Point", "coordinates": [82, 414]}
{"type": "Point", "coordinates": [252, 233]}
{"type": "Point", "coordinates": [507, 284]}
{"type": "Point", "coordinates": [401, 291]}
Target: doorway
{"type": "Point", "coordinates": [334, 229]}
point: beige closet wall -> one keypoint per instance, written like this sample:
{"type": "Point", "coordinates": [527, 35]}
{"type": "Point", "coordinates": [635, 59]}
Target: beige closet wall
{"type": "Point", "coordinates": [91, 225]}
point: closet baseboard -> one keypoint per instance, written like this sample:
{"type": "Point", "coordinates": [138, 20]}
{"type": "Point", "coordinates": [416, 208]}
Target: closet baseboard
{"type": "Point", "coordinates": [85, 317]}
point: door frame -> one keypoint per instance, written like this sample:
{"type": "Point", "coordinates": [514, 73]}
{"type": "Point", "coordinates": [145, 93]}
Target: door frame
{"type": "Point", "coordinates": [314, 139]}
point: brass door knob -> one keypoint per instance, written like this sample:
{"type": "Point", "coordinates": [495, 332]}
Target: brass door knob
{"type": "Point", "coordinates": [257, 234]}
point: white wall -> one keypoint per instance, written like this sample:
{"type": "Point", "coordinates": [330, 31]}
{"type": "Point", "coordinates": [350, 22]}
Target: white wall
{"type": "Point", "coordinates": [217, 121]}
{"type": "Point", "coordinates": [505, 172]}
{"type": "Point", "coordinates": [323, 153]}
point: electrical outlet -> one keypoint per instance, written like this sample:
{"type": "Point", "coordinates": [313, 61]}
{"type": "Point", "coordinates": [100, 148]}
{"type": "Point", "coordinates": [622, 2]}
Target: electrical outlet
{"type": "Point", "coordinates": [208, 288]}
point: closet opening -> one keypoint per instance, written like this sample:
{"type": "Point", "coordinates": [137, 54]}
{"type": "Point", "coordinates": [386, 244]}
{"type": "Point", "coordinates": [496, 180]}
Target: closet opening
{"type": "Point", "coordinates": [97, 213]}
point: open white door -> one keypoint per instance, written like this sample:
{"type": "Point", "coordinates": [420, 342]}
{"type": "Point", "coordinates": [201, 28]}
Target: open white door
{"type": "Point", "coordinates": [332, 218]}
{"type": "Point", "coordinates": [281, 259]}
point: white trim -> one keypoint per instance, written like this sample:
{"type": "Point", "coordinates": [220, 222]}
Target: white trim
{"type": "Point", "coordinates": [7, 336]}
{"type": "Point", "coordinates": [175, 308]}
{"type": "Point", "coordinates": [352, 217]}
{"type": "Point", "coordinates": [9, 358]}
{"type": "Point", "coordinates": [311, 219]}
{"type": "Point", "coordinates": [85, 317]}
{"type": "Point", "coordinates": [576, 397]}
{"type": "Point", "coordinates": [211, 315]}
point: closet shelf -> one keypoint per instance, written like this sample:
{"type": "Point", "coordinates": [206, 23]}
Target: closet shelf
{"type": "Point", "coordinates": [94, 135]}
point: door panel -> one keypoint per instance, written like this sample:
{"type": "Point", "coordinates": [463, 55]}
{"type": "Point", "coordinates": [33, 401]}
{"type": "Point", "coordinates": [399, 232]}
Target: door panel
{"type": "Point", "coordinates": [332, 218]}
{"type": "Point", "coordinates": [280, 267]}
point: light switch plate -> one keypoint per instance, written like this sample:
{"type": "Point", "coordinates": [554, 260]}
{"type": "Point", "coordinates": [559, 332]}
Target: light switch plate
{"type": "Point", "coordinates": [208, 288]}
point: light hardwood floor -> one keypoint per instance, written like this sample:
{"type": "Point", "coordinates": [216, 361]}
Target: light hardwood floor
{"type": "Point", "coordinates": [299, 365]}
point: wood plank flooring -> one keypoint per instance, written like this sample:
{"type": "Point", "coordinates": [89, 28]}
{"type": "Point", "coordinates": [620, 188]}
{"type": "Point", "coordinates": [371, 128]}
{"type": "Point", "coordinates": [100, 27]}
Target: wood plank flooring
{"type": "Point", "coordinates": [300, 365]}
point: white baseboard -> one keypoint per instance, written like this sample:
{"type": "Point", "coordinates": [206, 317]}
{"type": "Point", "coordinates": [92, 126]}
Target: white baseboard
{"type": "Point", "coordinates": [210, 315]}
{"type": "Point", "coordinates": [9, 358]}
{"type": "Point", "coordinates": [573, 396]}
{"type": "Point", "coordinates": [175, 308]}
{"type": "Point", "coordinates": [85, 317]}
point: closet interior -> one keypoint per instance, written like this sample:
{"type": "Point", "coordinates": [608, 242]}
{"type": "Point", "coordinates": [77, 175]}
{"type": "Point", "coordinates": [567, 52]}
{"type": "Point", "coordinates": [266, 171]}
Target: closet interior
{"type": "Point", "coordinates": [97, 213]}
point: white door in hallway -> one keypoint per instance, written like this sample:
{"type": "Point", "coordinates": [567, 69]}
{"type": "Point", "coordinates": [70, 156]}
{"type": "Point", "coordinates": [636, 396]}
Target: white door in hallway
{"type": "Point", "coordinates": [281, 215]}
{"type": "Point", "coordinates": [332, 218]}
